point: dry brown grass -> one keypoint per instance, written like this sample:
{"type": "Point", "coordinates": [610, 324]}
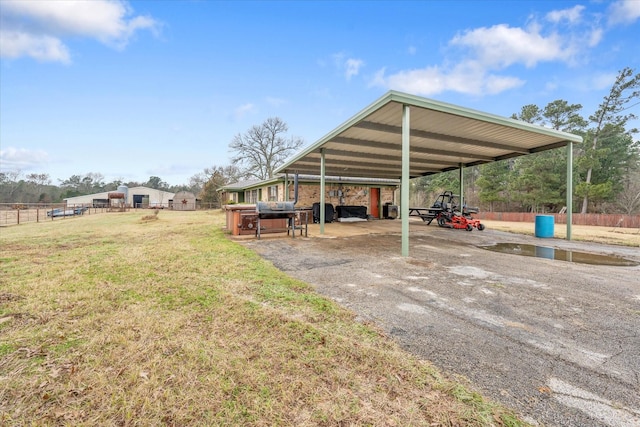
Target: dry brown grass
{"type": "Point", "coordinates": [588, 233]}
{"type": "Point", "coordinates": [109, 320]}
{"type": "Point", "coordinates": [152, 217]}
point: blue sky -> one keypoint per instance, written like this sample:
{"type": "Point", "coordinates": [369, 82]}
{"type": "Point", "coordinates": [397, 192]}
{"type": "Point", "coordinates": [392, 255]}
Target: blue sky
{"type": "Point", "coordinates": [133, 89]}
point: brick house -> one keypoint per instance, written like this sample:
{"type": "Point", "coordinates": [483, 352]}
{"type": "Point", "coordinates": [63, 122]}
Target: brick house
{"type": "Point", "coordinates": [373, 193]}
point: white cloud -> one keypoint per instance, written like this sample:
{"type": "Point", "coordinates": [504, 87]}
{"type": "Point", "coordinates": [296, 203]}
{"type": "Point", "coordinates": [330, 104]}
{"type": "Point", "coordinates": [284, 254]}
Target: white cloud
{"type": "Point", "coordinates": [624, 12]}
{"type": "Point", "coordinates": [494, 84]}
{"type": "Point", "coordinates": [572, 16]}
{"type": "Point", "coordinates": [425, 81]}
{"type": "Point", "coordinates": [485, 51]}
{"type": "Point", "coordinates": [15, 44]}
{"type": "Point", "coordinates": [13, 158]}
{"type": "Point", "coordinates": [477, 58]}
{"type": "Point", "coordinates": [595, 37]}
{"type": "Point", "coordinates": [501, 46]}
{"type": "Point", "coordinates": [37, 28]}
{"type": "Point", "coordinates": [580, 31]}
{"type": "Point", "coordinates": [350, 66]}
{"type": "Point", "coordinates": [353, 67]}
{"type": "Point", "coordinates": [468, 78]}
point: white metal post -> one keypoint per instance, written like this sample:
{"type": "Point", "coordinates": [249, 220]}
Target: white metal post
{"type": "Point", "coordinates": [404, 182]}
{"type": "Point", "coordinates": [569, 188]}
{"type": "Point", "coordinates": [461, 188]}
{"type": "Point", "coordinates": [322, 196]}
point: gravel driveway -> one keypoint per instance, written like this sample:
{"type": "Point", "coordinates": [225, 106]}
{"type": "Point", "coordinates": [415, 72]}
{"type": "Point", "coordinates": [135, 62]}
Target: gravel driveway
{"type": "Point", "coordinates": [557, 341]}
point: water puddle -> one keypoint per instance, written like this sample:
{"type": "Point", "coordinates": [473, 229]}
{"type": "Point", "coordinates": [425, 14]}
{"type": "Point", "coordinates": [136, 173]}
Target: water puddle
{"type": "Point", "coordinates": [560, 254]}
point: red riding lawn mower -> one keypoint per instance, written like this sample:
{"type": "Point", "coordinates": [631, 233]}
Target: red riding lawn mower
{"type": "Point", "coordinates": [451, 216]}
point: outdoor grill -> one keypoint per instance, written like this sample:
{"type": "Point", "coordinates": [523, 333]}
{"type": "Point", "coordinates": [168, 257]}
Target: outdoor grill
{"type": "Point", "coordinates": [276, 210]}
{"type": "Point", "coordinates": [284, 210]}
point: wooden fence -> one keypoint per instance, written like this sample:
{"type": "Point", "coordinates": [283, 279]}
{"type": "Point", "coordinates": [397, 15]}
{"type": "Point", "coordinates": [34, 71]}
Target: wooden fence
{"type": "Point", "coordinates": [602, 220]}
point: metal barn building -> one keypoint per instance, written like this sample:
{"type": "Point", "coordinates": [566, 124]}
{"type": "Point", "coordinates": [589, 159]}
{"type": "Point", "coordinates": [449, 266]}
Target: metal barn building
{"type": "Point", "coordinates": [135, 197]}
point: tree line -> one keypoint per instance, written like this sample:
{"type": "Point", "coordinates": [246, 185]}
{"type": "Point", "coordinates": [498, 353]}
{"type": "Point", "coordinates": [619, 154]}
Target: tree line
{"type": "Point", "coordinates": [16, 187]}
{"type": "Point", "coordinates": [256, 154]}
{"type": "Point", "coordinates": [606, 165]}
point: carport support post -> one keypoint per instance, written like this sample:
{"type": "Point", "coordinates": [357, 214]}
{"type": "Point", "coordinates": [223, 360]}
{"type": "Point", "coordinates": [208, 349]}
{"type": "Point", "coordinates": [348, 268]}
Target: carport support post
{"type": "Point", "coordinates": [322, 198]}
{"type": "Point", "coordinates": [461, 188]}
{"type": "Point", "coordinates": [286, 187]}
{"type": "Point", "coordinates": [569, 188]}
{"type": "Point", "coordinates": [404, 182]}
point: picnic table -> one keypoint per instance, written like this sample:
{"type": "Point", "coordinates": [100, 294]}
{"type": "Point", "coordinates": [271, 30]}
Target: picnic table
{"type": "Point", "coordinates": [427, 214]}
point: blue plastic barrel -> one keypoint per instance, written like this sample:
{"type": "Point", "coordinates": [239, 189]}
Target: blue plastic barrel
{"type": "Point", "coordinates": [544, 225]}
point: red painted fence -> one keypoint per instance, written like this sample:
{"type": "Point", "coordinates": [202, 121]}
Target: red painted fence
{"type": "Point", "coordinates": [603, 220]}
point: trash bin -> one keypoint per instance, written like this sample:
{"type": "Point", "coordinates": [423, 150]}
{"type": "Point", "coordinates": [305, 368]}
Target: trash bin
{"type": "Point", "coordinates": [389, 211]}
{"type": "Point", "coordinates": [544, 225]}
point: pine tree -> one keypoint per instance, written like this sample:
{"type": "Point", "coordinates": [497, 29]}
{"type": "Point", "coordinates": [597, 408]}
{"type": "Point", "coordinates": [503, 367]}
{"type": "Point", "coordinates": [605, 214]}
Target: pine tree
{"type": "Point", "coordinates": [609, 124]}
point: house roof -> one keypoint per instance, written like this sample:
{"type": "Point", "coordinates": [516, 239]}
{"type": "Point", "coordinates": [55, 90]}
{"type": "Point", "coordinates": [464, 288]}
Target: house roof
{"type": "Point", "coordinates": [248, 185]}
{"type": "Point", "coordinates": [443, 137]}
{"type": "Point", "coordinates": [240, 185]}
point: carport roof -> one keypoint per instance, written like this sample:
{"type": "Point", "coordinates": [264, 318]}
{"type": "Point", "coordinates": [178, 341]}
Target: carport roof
{"type": "Point", "coordinates": [442, 137]}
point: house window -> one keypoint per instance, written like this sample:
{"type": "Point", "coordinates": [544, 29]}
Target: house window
{"type": "Point", "coordinates": [273, 193]}
{"type": "Point", "coordinates": [251, 196]}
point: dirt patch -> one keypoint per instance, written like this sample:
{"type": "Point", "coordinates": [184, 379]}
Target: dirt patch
{"type": "Point", "coordinates": [7, 296]}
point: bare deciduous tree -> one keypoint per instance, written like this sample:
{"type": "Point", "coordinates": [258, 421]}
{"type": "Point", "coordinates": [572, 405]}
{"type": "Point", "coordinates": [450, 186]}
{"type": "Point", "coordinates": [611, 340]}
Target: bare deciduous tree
{"type": "Point", "coordinates": [263, 148]}
{"type": "Point", "coordinates": [9, 184]}
{"type": "Point", "coordinates": [629, 199]}
{"type": "Point", "coordinates": [215, 177]}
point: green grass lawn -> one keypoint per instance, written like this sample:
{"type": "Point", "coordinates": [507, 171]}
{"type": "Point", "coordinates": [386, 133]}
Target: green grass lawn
{"type": "Point", "coordinates": [117, 319]}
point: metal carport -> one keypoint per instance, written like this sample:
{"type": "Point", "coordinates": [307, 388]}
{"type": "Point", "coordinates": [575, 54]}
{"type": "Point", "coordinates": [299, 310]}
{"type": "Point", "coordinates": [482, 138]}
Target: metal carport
{"type": "Point", "coordinates": [405, 136]}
